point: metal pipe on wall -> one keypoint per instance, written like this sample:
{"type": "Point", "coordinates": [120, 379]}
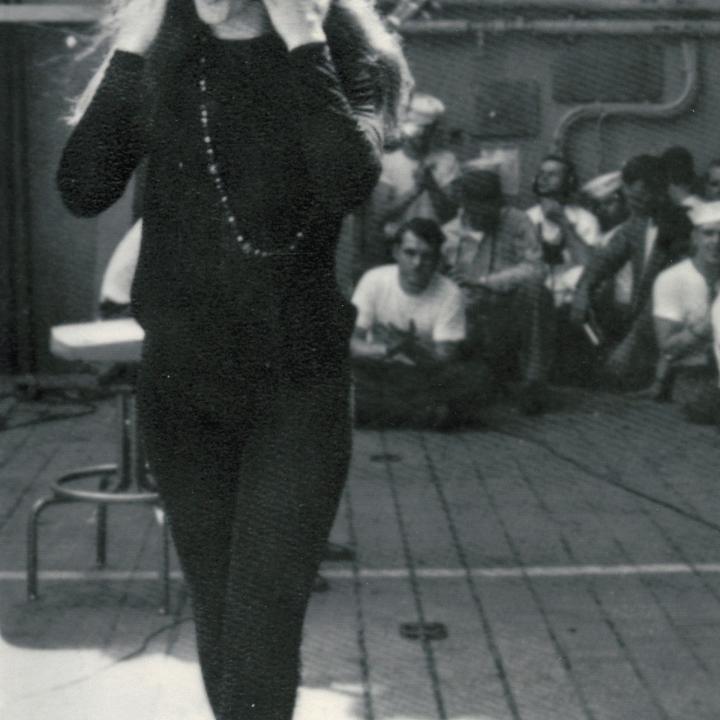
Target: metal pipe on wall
{"type": "Point", "coordinates": [87, 12]}
{"type": "Point", "coordinates": [678, 28]}
{"type": "Point", "coordinates": [593, 6]}
{"type": "Point", "coordinates": [565, 26]}
{"type": "Point", "coordinates": [660, 111]}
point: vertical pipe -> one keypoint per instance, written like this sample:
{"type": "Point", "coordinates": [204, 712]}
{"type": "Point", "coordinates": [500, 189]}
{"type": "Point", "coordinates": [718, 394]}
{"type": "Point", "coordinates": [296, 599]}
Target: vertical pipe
{"type": "Point", "coordinates": [662, 111]}
{"type": "Point", "coordinates": [15, 235]}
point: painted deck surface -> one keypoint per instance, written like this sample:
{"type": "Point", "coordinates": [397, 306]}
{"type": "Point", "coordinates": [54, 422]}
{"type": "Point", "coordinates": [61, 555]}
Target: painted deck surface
{"type": "Point", "coordinates": [574, 558]}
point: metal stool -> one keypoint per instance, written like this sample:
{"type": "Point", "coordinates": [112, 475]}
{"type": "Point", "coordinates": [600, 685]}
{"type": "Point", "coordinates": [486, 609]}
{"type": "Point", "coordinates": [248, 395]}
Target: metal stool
{"type": "Point", "coordinates": [126, 482]}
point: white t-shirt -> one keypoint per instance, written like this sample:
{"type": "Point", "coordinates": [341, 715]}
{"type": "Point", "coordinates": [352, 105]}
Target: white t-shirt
{"type": "Point", "coordinates": [583, 222]}
{"type": "Point", "coordinates": [438, 312]}
{"type": "Point", "coordinates": [562, 280]}
{"type": "Point", "coordinates": [681, 294]}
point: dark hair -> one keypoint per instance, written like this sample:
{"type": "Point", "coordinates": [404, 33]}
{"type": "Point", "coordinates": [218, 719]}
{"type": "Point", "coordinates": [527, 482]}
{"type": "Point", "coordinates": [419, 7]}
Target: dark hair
{"type": "Point", "coordinates": [425, 228]}
{"type": "Point", "coordinates": [570, 178]}
{"type": "Point", "coordinates": [678, 165]}
{"type": "Point", "coordinates": [647, 168]}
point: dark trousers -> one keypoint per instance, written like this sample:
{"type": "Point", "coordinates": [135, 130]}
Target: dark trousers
{"type": "Point", "coordinates": [440, 396]}
{"type": "Point", "coordinates": [250, 473]}
{"type": "Point", "coordinates": [514, 333]}
{"type": "Point", "coordinates": [630, 352]}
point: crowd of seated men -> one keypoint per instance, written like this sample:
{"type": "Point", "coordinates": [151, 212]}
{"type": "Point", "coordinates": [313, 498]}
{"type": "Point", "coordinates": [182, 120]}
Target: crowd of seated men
{"type": "Point", "coordinates": [464, 294]}
{"type": "Point", "coordinates": [462, 297]}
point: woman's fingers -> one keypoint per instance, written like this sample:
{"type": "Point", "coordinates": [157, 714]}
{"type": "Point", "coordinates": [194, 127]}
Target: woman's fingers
{"type": "Point", "coordinates": [139, 23]}
{"type": "Point", "coordinates": [298, 22]}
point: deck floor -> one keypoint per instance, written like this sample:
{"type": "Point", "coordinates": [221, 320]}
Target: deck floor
{"type": "Point", "coordinates": [574, 559]}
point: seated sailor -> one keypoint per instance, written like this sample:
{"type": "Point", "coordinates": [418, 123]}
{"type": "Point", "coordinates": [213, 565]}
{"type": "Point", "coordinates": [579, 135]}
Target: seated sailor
{"type": "Point", "coordinates": [407, 339]}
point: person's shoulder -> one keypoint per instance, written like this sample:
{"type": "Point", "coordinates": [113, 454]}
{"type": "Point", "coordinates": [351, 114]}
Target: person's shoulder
{"type": "Point", "coordinates": [380, 276]}
{"type": "Point", "coordinates": [447, 285]}
{"type": "Point", "coordinates": [373, 286]}
{"type": "Point", "coordinates": [582, 214]}
{"type": "Point", "coordinates": [447, 292]}
{"type": "Point", "coordinates": [677, 275]}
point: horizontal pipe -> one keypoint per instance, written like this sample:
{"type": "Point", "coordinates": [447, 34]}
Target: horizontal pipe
{"type": "Point", "coordinates": [563, 27]}
{"type": "Point", "coordinates": [75, 12]}
{"type": "Point", "coordinates": [593, 6]}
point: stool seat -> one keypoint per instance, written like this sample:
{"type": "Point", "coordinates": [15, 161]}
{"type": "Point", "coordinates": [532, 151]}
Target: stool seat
{"type": "Point", "coordinates": [115, 341]}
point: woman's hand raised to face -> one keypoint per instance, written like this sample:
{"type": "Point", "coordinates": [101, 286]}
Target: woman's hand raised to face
{"type": "Point", "coordinates": [298, 22]}
{"type": "Point", "coordinates": [140, 21]}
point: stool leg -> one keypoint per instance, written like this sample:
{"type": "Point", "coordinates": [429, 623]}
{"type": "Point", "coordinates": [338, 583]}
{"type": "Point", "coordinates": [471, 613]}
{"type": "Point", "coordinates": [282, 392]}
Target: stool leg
{"type": "Point", "coordinates": [101, 528]}
{"type": "Point", "coordinates": [164, 560]}
{"type": "Point", "coordinates": [32, 544]}
{"type": "Point", "coordinates": [101, 537]}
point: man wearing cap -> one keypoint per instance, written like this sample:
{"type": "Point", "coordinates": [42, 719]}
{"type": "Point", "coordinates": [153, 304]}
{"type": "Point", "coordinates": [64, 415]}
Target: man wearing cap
{"type": "Point", "coordinates": [567, 231]}
{"type": "Point", "coordinates": [654, 237]}
{"type": "Point", "coordinates": [415, 182]}
{"type": "Point", "coordinates": [494, 254]}
{"type": "Point", "coordinates": [604, 198]}
{"type": "Point", "coordinates": [683, 296]}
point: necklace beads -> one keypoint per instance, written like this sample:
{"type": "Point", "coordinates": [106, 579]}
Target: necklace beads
{"type": "Point", "coordinates": [246, 245]}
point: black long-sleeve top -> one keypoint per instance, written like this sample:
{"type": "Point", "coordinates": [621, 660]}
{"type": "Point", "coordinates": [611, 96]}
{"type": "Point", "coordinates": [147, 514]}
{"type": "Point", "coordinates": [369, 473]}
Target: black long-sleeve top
{"type": "Point", "coordinates": [297, 149]}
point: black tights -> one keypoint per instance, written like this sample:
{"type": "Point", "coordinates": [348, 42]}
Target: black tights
{"type": "Point", "coordinates": [250, 478]}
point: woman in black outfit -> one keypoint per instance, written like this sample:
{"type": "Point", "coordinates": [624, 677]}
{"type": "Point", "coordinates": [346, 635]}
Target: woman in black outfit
{"type": "Point", "coordinates": [262, 124]}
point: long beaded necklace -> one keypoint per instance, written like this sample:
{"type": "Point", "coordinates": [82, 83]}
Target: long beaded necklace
{"type": "Point", "coordinates": [245, 244]}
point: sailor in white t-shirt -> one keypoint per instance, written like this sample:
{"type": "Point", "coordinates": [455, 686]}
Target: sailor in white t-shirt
{"type": "Point", "coordinates": [406, 347]}
{"type": "Point", "coordinates": [683, 297]}
{"type": "Point", "coordinates": [407, 307]}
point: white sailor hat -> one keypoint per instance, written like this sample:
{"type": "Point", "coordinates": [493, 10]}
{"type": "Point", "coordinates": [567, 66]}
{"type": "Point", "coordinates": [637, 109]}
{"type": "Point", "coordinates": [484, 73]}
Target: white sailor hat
{"type": "Point", "coordinates": [424, 109]}
{"type": "Point", "coordinates": [705, 213]}
{"type": "Point", "coordinates": [603, 186]}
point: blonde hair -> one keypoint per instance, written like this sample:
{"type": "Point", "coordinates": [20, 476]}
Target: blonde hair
{"type": "Point", "coordinates": [108, 29]}
{"type": "Point", "coordinates": [355, 33]}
